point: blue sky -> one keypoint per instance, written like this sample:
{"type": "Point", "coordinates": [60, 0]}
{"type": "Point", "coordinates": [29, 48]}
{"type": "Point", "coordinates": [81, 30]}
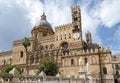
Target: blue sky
{"type": "Point", "coordinates": [100, 17]}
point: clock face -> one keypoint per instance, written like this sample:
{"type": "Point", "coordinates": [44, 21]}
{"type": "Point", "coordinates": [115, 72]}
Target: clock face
{"type": "Point", "coordinates": [76, 35]}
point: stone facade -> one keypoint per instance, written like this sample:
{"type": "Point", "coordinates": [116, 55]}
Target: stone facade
{"type": "Point", "coordinates": [116, 66]}
{"type": "Point", "coordinates": [65, 46]}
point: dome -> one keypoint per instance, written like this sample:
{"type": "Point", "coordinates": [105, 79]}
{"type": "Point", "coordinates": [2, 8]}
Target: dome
{"type": "Point", "coordinates": [43, 22]}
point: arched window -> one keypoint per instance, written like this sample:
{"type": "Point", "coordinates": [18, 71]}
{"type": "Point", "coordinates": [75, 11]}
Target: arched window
{"type": "Point", "coordinates": [56, 38]}
{"type": "Point", "coordinates": [65, 45]}
{"type": "Point", "coordinates": [94, 60]}
{"type": "Point", "coordinates": [32, 59]}
{"type": "Point", "coordinates": [72, 61]}
{"type": "Point", "coordinates": [104, 70]}
{"type": "Point", "coordinates": [75, 19]}
{"type": "Point", "coordinates": [44, 34]}
{"type": "Point", "coordinates": [116, 66]}
{"type": "Point", "coordinates": [85, 60]}
{"type": "Point", "coordinates": [21, 54]}
{"type": "Point", "coordinates": [65, 36]}
{"type": "Point", "coordinates": [60, 37]}
{"type": "Point", "coordinates": [41, 47]}
{"type": "Point", "coordinates": [36, 36]}
{"type": "Point", "coordinates": [69, 35]}
{"type": "Point", "coordinates": [51, 46]}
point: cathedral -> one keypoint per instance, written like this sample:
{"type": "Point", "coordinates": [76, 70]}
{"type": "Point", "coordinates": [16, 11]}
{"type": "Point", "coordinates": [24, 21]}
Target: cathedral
{"type": "Point", "coordinates": [65, 46]}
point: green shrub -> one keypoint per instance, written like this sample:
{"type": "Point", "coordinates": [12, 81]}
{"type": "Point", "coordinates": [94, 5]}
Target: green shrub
{"type": "Point", "coordinates": [9, 68]}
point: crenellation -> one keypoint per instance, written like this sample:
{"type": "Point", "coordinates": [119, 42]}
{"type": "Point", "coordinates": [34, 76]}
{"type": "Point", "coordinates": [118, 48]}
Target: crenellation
{"type": "Point", "coordinates": [61, 27]}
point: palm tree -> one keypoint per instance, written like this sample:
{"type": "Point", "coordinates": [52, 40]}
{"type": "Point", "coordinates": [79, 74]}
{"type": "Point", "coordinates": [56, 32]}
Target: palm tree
{"type": "Point", "coordinates": [26, 43]}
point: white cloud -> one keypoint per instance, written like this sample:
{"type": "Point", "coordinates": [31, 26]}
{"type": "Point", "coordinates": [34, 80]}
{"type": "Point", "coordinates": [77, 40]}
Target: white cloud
{"type": "Point", "coordinates": [59, 12]}
{"type": "Point", "coordinates": [108, 12]}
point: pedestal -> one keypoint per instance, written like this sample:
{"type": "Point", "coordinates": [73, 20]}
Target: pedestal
{"type": "Point", "coordinates": [81, 74]}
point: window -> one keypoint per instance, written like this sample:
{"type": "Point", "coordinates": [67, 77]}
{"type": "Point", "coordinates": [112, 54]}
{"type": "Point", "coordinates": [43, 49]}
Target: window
{"type": "Point", "coordinates": [44, 34]}
{"type": "Point", "coordinates": [21, 54]}
{"type": "Point", "coordinates": [76, 27]}
{"type": "Point", "coordinates": [32, 59]}
{"type": "Point", "coordinates": [51, 46]}
{"type": "Point", "coordinates": [65, 36]}
{"type": "Point", "coordinates": [94, 60]}
{"type": "Point", "coordinates": [46, 47]}
{"type": "Point", "coordinates": [85, 60]}
{"type": "Point", "coordinates": [65, 45]}
{"type": "Point", "coordinates": [56, 38]}
{"type": "Point", "coordinates": [36, 36]}
{"type": "Point", "coordinates": [116, 65]}
{"type": "Point", "coordinates": [75, 19]}
{"type": "Point", "coordinates": [104, 70]}
{"type": "Point", "coordinates": [72, 61]}
{"type": "Point", "coordinates": [61, 37]}
{"type": "Point", "coordinates": [41, 47]}
{"type": "Point", "coordinates": [69, 35]}
{"type": "Point", "coordinates": [117, 73]}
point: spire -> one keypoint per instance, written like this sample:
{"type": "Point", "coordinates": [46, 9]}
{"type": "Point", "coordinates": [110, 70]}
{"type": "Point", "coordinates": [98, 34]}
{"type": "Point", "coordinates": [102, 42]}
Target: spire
{"type": "Point", "coordinates": [43, 17]}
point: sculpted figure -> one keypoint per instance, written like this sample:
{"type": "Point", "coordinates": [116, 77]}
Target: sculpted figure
{"type": "Point", "coordinates": [81, 63]}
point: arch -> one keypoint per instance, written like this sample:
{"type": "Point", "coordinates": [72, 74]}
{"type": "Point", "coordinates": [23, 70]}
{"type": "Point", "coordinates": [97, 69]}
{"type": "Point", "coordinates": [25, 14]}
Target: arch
{"type": "Point", "coordinates": [85, 60]}
{"type": "Point", "coordinates": [51, 46]}
{"type": "Point", "coordinates": [94, 60]}
{"type": "Point", "coordinates": [21, 54]}
{"type": "Point", "coordinates": [65, 36]}
{"type": "Point", "coordinates": [104, 70]}
{"type": "Point", "coordinates": [64, 45]}
{"type": "Point", "coordinates": [46, 47]}
{"type": "Point", "coordinates": [31, 59]}
{"type": "Point", "coordinates": [72, 61]}
{"type": "Point", "coordinates": [69, 35]}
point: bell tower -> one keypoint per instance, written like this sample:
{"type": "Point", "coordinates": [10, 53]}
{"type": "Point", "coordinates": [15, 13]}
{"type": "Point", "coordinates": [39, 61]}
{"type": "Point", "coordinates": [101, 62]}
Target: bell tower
{"type": "Point", "coordinates": [76, 22]}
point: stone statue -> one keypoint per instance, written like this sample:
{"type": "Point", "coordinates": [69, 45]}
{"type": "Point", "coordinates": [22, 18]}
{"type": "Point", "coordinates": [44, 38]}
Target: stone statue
{"type": "Point", "coordinates": [87, 67]}
{"type": "Point", "coordinates": [81, 63]}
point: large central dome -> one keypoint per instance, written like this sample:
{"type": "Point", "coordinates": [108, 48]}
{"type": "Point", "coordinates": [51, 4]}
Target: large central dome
{"type": "Point", "coordinates": [43, 22]}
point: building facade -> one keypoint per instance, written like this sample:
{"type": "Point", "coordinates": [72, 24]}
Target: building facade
{"type": "Point", "coordinates": [65, 46]}
{"type": "Point", "coordinates": [116, 67]}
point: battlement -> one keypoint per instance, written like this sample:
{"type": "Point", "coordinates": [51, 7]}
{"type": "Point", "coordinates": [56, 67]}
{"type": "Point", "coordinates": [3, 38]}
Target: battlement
{"type": "Point", "coordinates": [89, 52]}
{"type": "Point", "coordinates": [6, 53]}
{"type": "Point", "coordinates": [63, 26]}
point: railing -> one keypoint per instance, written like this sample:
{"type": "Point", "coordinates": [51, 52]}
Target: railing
{"type": "Point", "coordinates": [9, 78]}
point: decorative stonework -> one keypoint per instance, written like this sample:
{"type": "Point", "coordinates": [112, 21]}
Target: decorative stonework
{"type": "Point", "coordinates": [61, 47]}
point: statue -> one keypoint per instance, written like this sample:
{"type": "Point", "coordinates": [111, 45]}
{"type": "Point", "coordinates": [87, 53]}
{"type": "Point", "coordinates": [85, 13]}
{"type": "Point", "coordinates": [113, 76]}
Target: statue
{"type": "Point", "coordinates": [81, 63]}
{"type": "Point", "coordinates": [87, 67]}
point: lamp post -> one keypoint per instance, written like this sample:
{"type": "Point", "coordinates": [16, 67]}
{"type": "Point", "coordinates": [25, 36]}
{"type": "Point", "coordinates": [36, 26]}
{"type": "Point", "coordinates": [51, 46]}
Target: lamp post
{"type": "Point", "coordinates": [101, 78]}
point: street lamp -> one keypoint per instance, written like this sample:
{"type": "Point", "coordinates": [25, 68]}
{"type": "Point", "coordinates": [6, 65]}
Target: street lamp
{"type": "Point", "coordinates": [101, 78]}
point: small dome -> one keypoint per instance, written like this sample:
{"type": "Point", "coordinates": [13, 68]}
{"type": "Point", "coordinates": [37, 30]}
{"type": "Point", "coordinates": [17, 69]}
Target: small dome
{"type": "Point", "coordinates": [43, 22]}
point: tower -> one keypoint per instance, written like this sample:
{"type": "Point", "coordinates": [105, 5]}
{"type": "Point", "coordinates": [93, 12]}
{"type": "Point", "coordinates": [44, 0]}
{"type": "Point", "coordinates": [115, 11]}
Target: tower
{"type": "Point", "coordinates": [76, 23]}
{"type": "Point", "coordinates": [88, 38]}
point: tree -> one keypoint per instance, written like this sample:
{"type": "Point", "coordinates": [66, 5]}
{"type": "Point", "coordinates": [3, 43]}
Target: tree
{"type": "Point", "coordinates": [26, 43]}
{"type": "Point", "coordinates": [10, 67]}
{"type": "Point", "coordinates": [48, 67]}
